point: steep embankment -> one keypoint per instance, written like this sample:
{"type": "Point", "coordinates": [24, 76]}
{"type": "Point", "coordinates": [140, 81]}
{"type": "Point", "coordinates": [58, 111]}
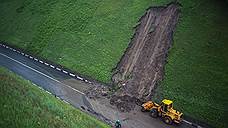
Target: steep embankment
{"type": "Point", "coordinates": [142, 65]}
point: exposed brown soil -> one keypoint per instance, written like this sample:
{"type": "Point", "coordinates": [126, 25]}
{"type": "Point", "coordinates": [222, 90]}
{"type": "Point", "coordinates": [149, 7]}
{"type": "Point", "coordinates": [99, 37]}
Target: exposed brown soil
{"type": "Point", "coordinates": [123, 103]}
{"type": "Point", "coordinates": [142, 65]}
{"type": "Point", "coordinates": [98, 91]}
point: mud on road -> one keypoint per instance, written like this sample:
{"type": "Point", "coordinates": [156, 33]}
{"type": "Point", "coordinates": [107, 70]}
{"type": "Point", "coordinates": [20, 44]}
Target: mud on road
{"type": "Point", "coordinates": [142, 65]}
{"type": "Point", "coordinates": [139, 70]}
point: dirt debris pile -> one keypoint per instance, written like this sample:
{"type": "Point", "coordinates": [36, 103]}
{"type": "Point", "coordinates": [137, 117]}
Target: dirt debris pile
{"type": "Point", "coordinates": [142, 65]}
{"type": "Point", "coordinates": [124, 103]}
{"type": "Point", "coordinates": [98, 92]}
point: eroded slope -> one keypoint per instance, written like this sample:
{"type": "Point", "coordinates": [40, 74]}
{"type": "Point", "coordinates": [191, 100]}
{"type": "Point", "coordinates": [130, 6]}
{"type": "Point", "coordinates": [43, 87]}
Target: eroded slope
{"type": "Point", "coordinates": [142, 65]}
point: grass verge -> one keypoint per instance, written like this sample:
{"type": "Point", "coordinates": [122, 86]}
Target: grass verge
{"type": "Point", "coordinates": [87, 36]}
{"type": "Point", "coordinates": [24, 105]}
{"type": "Point", "coordinates": [90, 37]}
{"type": "Point", "coordinates": [196, 73]}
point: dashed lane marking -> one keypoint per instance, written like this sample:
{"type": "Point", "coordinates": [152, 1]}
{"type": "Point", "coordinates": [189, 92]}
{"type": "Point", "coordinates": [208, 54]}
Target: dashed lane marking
{"type": "Point", "coordinates": [58, 69]}
{"type": "Point", "coordinates": [65, 72]}
{"type": "Point", "coordinates": [79, 78]}
{"type": "Point", "coordinates": [52, 66]}
{"type": "Point", "coordinates": [72, 74]}
{"type": "Point", "coordinates": [42, 73]}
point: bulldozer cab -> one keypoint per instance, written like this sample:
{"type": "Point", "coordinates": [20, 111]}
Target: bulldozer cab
{"type": "Point", "coordinates": [166, 105]}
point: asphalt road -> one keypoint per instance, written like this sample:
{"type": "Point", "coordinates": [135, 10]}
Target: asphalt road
{"type": "Point", "coordinates": [52, 79]}
{"type": "Point", "coordinates": [43, 76]}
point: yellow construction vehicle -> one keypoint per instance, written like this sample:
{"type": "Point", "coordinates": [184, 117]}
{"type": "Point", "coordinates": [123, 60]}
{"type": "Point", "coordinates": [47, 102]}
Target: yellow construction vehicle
{"type": "Point", "coordinates": [165, 110]}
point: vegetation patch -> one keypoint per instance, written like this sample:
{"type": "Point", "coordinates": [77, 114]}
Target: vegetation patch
{"type": "Point", "coordinates": [87, 36]}
{"type": "Point", "coordinates": [90, 36]}
{"type": "Point", "coordinates": [196, 73]}
{"type": "Point", "coordinates": [24, 105]}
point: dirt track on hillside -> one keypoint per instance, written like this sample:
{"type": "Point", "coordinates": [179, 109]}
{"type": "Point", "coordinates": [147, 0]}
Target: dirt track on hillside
{"type": "Point", "coordinates": [142, 65]}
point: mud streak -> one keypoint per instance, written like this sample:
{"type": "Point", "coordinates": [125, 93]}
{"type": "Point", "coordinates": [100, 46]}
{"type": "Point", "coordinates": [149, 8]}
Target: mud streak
{"type": "Point", "coordinates": [142, 65]}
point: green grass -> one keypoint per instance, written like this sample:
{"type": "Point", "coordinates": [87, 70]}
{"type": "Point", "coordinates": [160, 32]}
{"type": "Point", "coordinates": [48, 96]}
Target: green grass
{"type": "Point", "coordinates": [24, 105]}
{"type": "Point", "coordinates": [196, 75]}
{"type": "Point", "coordinates": [90, 37]}
{"type": "Point", "coordinates": [87, 36]}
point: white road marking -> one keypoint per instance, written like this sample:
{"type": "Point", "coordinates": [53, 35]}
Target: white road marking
{"type": "Point", "coordinates": [48, 92]}
{"type": "Point", "coordinates": [58, 69]}
{"type": "Point", "coordinates": [190, 123]}
{"type": "Point", "coordinates": [66, 101]}
{"type": "Point", "coordinates": [72, 74]}
{"type": "Point", "coordinates": [187, 122]}
{"type": "Point", "coordinates": [42, 73]}
{"type": "Point", "coordinates": [45, 63]}
{"type": "Point", "coordinates": [65, 71]}
{"type": "Point", "coordinates": [79, 78]}
{"type": "Point", "coordinates": [39, 87]}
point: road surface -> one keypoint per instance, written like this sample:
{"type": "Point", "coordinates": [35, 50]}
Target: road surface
{"type": "Point", "coordinates": [70, 88]}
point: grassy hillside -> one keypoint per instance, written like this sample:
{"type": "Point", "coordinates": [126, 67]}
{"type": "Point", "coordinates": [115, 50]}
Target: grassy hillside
{"type": "Point", "coordinates": [88, 36]}
{"type": "Point", "coordinates": [24, 105]}
{"type": "Point", "coordinates": [196, 73]}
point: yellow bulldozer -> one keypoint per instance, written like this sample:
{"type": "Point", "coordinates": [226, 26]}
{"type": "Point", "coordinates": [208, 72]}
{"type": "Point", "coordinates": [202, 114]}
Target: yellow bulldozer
{"type": "Point", "coordinates": [165, 110]}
